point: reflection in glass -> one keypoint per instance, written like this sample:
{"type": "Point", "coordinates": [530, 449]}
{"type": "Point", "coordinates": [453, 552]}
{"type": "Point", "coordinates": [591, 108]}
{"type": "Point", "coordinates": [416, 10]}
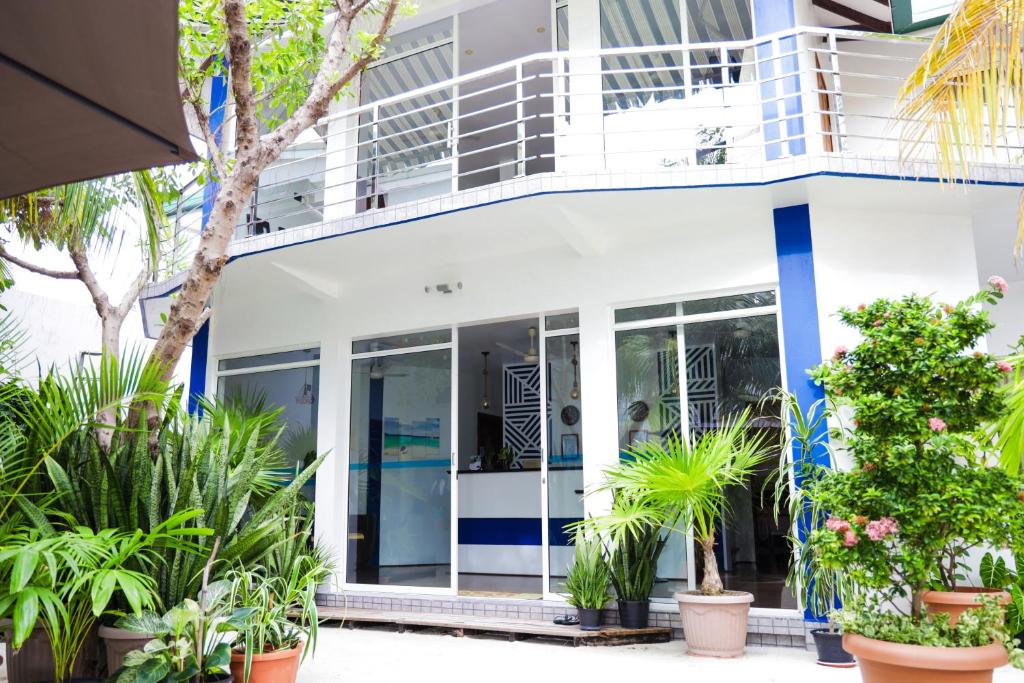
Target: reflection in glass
{"type": "Point", "coordinates": [302, 355]}
{"type": "Point", "coordinates": [731, 365]}
{"type": "Point", "coordinates": [565, 452]}
{"type": "Point", "coordinates": [647, 380]}
{"type": "Point", "coordinates": [402, 341]}
{"type": "Point", "coordinates": [294, 392]}
{"type": "Point", "coordinates": [399, 522]}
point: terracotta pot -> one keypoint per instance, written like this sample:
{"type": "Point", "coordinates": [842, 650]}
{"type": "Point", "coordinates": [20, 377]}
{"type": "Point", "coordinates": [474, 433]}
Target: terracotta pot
{"type": "Point", "coordinates": [119, 642]}
{"type": "Point", "coordinates": [280, 666]}
{"type": "Point", "coordinates": [954, 603]}
{"type": "Point", "coordinates": [714, 625]}
{"type": "Point", "coordinates": [884, 662]}
{"type": "Point", "coordinates": [34, 661]}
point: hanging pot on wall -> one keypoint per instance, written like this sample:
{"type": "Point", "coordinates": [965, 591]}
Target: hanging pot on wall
{"type": "Point", "coordinates": [634, 613]}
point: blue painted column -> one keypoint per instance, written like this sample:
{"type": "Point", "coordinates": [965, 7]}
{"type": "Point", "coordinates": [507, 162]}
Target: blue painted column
{"type": "Point", "coordinates": [201, 341]}
{"type": "Point", "coordinates": [780, 97]}
{"type": "Point", "coordinates": [801, 335]}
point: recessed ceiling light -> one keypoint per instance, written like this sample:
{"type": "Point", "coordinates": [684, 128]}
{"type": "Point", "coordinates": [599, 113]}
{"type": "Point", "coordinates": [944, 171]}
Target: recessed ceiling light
{"type": "Point", "coordinates": [469, 51]}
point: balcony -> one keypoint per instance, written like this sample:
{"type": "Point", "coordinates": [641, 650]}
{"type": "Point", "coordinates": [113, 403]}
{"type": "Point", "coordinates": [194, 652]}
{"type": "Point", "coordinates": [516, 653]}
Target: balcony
{"type": "Point", "coordinates": [782, 106]}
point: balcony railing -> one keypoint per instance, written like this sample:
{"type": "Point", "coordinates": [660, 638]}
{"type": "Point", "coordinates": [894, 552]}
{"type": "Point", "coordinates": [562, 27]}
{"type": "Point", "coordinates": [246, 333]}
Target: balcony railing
{"type": "Point", "coordinates": [749, 103]}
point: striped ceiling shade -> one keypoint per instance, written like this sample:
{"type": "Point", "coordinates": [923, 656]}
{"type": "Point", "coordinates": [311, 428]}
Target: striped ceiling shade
{"type": "Point", "coordinates": [635, 23]}
{"type": "Point", "coordinates": [413, 131]}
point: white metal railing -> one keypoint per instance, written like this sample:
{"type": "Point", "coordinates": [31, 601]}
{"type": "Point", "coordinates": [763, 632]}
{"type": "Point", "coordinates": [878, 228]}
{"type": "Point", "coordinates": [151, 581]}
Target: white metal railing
{"type": "Point", "coordinates": [807, 91]}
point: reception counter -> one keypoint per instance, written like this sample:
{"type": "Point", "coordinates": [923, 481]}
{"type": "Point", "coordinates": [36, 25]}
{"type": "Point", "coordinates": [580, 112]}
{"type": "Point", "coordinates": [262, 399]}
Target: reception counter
{"type": "Point", "coordinates": [500, 520]}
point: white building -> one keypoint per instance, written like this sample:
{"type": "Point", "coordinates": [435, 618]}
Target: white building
{"type": "Point", "coordinates": [591, 199]}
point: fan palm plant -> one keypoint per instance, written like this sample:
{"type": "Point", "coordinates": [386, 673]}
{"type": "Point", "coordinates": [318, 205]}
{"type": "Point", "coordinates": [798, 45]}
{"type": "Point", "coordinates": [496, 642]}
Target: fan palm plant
{"type": "Point", "coordinates": [967, 92]}
{"type": "Point", "coordinates": [686, 479]}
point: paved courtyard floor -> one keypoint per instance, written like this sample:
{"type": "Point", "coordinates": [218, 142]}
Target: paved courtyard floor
{"type": "Point", "coordinates": [384, 656]}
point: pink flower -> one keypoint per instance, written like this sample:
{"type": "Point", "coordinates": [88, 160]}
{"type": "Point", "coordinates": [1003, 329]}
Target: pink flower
{"type": "Point", "coordinates": [880, 528]}
{"type": "Point", "coordinates": [837, 524]}
{"type": "Point", "coordinates": [1004, 366]}
{"type": "Point", "coordinates": [877, 323]}
{"type": "Point", "coordinates": [840, 352]}
{"type": "Point", "coordinates": [850, 539]}
{"type": "Point", "coordinates": [999, 284]}
{"type": "Point", "coordinates": [936, 424]}
{"type": "Point", "coordinates": [861, 307]}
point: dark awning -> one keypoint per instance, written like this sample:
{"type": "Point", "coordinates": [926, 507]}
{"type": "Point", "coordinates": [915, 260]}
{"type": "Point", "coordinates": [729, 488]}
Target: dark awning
{"type": "Point", "coordinates": [88, 88]}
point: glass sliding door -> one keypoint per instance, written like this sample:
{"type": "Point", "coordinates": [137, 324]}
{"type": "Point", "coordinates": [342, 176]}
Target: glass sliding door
{"type": "Point", "coordinates": [727, 349]}
{"type": "Point", "coordinates": [400, 466]}
{"type": "Point", "coordinates": [564, 448]}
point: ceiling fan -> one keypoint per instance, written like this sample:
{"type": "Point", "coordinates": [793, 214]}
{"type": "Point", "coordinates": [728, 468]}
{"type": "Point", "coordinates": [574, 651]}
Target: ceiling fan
{"type": "Point", "coordinates": [377, 369]}
{"type": "Point", "coordinates": [531, 355]}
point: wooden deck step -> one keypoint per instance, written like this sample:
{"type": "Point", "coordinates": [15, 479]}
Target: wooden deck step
{"type": "Point", "coordinates": [514, 629]}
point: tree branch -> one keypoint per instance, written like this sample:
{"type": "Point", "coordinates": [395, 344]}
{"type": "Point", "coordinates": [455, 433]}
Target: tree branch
{"type": "Point", "coordinates": [134, 290]}
{"type": "Point", "coordinates": [240, 61]}
{"type": "Point", "coordinates": [39, 270]}
{"type": "Point", "coordinates": [88, 278]}
{"type": "Point", "coordinates": [330, 79]}
{"type": "Point", "coordinates": [203, 121]}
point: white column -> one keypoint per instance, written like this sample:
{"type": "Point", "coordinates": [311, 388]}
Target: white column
{"type": "Point", "coordinates": [341, 154]}
{"type": "Point", "coordinates": [331, 510]}
{"type": "Point", "coordinates": [597, 400]}
{"type": "Point", "coordinates": [580, 148]}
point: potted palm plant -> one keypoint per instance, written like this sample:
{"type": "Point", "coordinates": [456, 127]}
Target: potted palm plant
{"type": "Point", "coordinates": [587, 580]}
{"type": "Point", "coordinates": [804, 451]}
{"type": "Point", "coordinates": [633, 534]}
{"type": "Point", "coordinates": [281, 595]}
{"type": "Point", "coordinates": [65, 581]}
{"type": "Point", "coordinates": [685, 479]}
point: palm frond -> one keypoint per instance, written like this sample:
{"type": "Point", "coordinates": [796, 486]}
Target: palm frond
{"type": "Point", "coordinates": [967, 91]}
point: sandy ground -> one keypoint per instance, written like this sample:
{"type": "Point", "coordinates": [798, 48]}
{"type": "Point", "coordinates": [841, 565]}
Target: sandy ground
{"type": "Point", "coordinates": [384, 656]}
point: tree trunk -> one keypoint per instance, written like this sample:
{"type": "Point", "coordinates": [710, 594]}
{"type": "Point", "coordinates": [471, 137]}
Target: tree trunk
{"type": "Point", "coordinates": [110, 323]}
{"type": "Point", "coordinates": [187, 311]}
{"type": "Point", "coordinates": [712, 583]}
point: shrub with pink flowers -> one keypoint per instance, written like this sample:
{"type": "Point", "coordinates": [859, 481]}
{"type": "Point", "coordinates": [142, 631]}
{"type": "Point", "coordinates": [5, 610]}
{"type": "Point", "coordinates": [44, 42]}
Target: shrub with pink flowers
{"type": "Point", "coordinates": [923, 490]}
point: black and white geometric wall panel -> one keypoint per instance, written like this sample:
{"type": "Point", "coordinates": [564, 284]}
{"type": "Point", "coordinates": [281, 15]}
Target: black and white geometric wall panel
{"type": "Point", "coordinates": [521, 413]}
{"type": "Point", "coordinates": [702, 387]}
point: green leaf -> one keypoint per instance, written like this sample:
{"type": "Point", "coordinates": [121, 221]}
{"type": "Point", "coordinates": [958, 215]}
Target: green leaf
{"type": "Point", "coordinates": [22, 569]}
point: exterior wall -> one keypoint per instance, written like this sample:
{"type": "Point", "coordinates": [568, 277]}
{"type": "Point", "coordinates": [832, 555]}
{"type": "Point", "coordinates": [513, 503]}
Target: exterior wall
{"type": "Point", "coordinates": [592, 251]}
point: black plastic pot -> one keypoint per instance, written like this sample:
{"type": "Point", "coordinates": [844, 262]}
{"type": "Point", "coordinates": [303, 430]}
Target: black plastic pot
{"type": "Point", "coordinates": [590, 619]}
{"type": "Point", "coordinates": [830, 649]}
{"type": "Point", "coordinates": [634, 613]}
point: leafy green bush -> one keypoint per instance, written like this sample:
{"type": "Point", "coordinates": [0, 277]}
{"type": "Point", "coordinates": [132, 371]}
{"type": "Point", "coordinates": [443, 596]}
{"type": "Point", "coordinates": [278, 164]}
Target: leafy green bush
{"type": "Point", "coordinates": [225, 464]}
{"type": "Point", "coordinates": [191, 641]}
{"type": "Point", "coordinates": [923, 491]}
{"type": "Point", "coordinates": [588, 577]}
{"type": "Point", "coordinates": [976, 627]}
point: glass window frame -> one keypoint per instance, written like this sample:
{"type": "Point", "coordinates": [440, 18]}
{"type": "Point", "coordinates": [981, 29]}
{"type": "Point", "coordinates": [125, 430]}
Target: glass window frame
{"type": "Point", "coordinates": [680, 321]}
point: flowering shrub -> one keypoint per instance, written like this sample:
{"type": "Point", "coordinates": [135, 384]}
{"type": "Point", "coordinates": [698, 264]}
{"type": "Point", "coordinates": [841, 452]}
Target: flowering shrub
{"type": "Point", "coordinates": [922, 492]}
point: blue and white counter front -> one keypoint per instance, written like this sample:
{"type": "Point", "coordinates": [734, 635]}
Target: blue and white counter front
{"type": "Point", "coordinates": [500, 520]}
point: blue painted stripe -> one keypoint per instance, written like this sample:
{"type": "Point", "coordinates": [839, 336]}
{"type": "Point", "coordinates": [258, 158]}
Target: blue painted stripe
{"type": "Point", "coordinates": [798, 304]}
{"type": "Point", "coordinates": [402, 464]}
{"type": "Point", "coordinates": [512, 531]}
{"type": "Point", "coordinates": [201, 340]}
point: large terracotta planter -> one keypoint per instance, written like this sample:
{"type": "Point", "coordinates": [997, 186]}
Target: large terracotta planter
{"type": "Point", "coordinates": [714, 625]}
{"type": "Point", "coordinates": [954, 603]}
{"type": "Point", "coordinates": [119, 642]}
{"type": "Point", "coordinates": [884, 662]}
{"type": "Point", "coordinates": [280, 666]}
